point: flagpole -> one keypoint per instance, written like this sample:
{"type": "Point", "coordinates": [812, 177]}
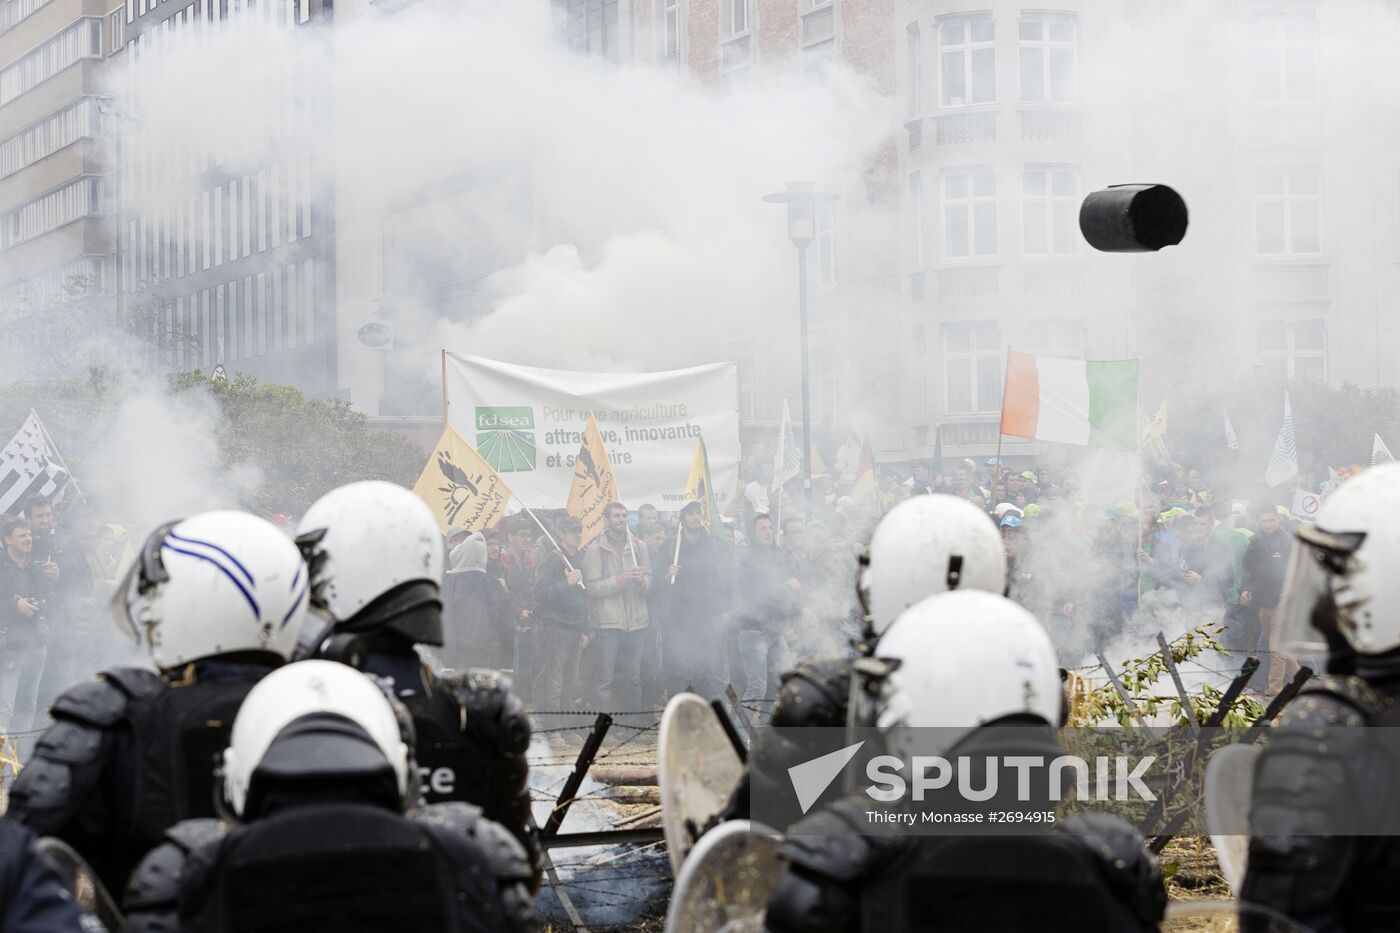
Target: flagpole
{"type": "Point", "coordinates": [676, 558]}
{"type": "Point", "coordinates": [562, 556]}
{"type": "Point", "coordinates": [1001, 419]}
{"type": "Point", "coordinates": [443, 352]}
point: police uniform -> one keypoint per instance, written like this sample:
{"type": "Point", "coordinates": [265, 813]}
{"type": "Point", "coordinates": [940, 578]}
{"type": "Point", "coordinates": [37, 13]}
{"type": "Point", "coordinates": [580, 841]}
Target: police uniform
{"type": "Point", "coordinates": [472, 738]}
{"type": "Point", "coordinates": [127, 757]}
{"type": "Point", "coordinates": [1088, 873]}
{"type": "Point", "coordinates": [34, 897]}
{"type": "Point", "coordinates": [336, 866]}
{"type": "Point", "coordinates": [1318, 778]}
{"type": "Point", "coordinates": [815, 693]}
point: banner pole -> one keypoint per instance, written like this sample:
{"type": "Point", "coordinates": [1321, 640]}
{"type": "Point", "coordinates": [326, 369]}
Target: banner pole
{"type": "Point", "coordinates": [676, 558]}
{"type": "Point", "coordinates": [443, 352]}
{"type": "Point", "coordinates": [536, 519]}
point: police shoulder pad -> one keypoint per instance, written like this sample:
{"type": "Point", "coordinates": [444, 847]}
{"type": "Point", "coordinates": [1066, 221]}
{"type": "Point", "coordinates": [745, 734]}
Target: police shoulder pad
{"type": "Point", "coordinates": [99, 702]}
{"type": "Point", "coordinates": [825, 844]}
{"type": "Point", "coordinates": [452, 816]}
{"type": "Point", "coordinates": [70, 742]}
{"type": "Point", "coordinates": [1336, 700]}
{"type": "Point", "coordinates": [504, 853]}
{"type": "Point", "coordinates": [192, 834]}
{"type": "Point", "coordinates": [136, 682]}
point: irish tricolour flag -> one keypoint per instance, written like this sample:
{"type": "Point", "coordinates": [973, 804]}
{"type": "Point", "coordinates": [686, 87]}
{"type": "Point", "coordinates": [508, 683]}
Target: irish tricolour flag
{"type": "Point", "coordinates": [1092, 404]}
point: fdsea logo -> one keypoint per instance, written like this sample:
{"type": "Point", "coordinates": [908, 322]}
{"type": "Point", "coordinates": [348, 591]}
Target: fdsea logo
{"type": "Point", "coordinates": [506, 437]}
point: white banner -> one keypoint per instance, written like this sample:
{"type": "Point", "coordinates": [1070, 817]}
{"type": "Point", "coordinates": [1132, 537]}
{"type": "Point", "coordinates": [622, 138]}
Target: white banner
{"type": "Point", "coordinates": [528, 423]}
{"type": "Point", "coordinates": [1305, 505]}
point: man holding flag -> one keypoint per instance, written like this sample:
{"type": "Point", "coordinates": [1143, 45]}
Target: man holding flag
{"type": "Point", "coordinates": [693, 649]}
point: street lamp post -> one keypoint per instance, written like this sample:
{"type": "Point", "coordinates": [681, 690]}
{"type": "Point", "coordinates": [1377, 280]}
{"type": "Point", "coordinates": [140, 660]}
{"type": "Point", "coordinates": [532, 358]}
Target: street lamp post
{"type": "Point", "coordinates": [801, 198]}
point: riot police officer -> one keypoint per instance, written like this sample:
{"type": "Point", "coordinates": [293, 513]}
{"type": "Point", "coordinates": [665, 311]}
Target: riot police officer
{"type": "Point", "coordinates": [322, 787]}
{"type": "Point", "coordinates": [923, 546]}
{"type": "Point", "coordinates": [219, 600]}
{"type": "Point", "coordinates": [376, 560]}
{"type": "Point", "coordinates": [981, 671]}
{"type": "Point", "coordinates": [1323, 776]}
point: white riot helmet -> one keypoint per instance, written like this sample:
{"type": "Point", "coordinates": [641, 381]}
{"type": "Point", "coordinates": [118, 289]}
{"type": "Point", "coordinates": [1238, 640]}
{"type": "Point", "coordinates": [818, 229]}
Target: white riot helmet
{"type": "Point", "coordinates": [961, 660]}
{"type": "Point", "coordinates": [214, 583]}
{"type": "Point", "coordinates": [923, 546]}
{"type": "Point", "coordinates": [315, 721]}
{"type": "Point", "coordinates": [1343, 571]}
{"type": "Point", "coordinates": [368, 539]}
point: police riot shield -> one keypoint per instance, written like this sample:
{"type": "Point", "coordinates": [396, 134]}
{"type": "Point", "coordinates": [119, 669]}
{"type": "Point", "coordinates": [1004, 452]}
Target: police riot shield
{"type": "Point", "coordinates": [725, 882]}
{"type": "Point", "coordinates": [1229, 793]}
{"type": "Point", "coordinates": [90, 892]}
{"type": "Point", "coordinates": [697, 770]}
{"type": "Point", "coordinates": [1223, 915]}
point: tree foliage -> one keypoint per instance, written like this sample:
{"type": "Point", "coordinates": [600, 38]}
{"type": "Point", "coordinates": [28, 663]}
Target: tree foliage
{"type": "Point", "coordinates": [304, 447]}
{"type": "Point", "coordinates": [1334, 426]}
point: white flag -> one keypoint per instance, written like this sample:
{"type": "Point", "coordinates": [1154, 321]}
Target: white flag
{"type": "Point", "coordinates": [1283, 463]}
{"type": "Point", "coordinates": [1231, 441]}
{"type": "Point", "coordinates": [787, 459]}
{"type": "Point", "coordinates": [1379, 452]}
{"type": "Point", "coordinates": [30, 466]}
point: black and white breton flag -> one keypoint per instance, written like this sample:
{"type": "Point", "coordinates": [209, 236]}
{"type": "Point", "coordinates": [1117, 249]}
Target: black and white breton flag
{"type": "Point", "coordinates": [30, 466]}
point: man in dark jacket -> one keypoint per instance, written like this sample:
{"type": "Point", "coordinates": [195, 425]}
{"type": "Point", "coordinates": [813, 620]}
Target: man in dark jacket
{"type": "Point", "coordinates": [25, 589]}
{"type": "Point", "coordinates": [475, 611]}
{"type": "Point", "coordinates": [560, 618]}
{"type": "Point", "coordinates": [768, 607]}
{"type": "Point", "coordinates": [1207, 571]}
{"type": "Point", "coordinates": [1265, 563]}
{"type": "Point", "coordinates": [701, 595]}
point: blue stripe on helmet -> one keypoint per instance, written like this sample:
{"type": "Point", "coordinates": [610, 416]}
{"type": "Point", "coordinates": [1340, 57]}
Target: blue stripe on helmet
{"type": "Point", "coordinates": [295, 603]}
{"type": "Point", "coordinates": [295, 578]}
{"type": "Point", "coordinates": [252, 603]}
{"type": "Point", "coordinates": [214, 547]}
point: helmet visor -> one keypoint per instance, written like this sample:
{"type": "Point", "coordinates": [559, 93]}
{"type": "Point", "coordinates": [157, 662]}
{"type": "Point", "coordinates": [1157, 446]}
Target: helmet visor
{"type": "Point", "coordinates": [146, 572]}
{"type": "Point", "coordinates": [128, 590]}
{"type": "Point", "coordinates": [1319, 558]}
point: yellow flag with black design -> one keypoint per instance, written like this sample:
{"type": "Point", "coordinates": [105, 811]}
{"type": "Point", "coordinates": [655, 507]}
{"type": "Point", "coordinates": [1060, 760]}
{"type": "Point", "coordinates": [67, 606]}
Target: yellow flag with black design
{"type": "Point", "coordinates": [460, 487]}
{"type": "Point", "coordinates": [700, 488]}
{"type": "Point", "coordinates": [594, 485]}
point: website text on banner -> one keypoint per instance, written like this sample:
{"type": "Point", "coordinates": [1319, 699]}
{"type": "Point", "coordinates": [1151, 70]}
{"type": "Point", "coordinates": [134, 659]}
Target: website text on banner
{"type": "Point", "coordinates": [528, 423]}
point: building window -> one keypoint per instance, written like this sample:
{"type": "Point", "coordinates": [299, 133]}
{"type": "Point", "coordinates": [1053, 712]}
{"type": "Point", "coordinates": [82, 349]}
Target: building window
{"type": "Point", "coordinates": [914, 41]}
{"type": "Point", "coordinates": [1049, 73]}
{"type": "Point", "coordinates": [42, 139]}
{"type": "Point", "coordinates": [918, 373]}
{"type": "Point", "coordinates": [969, 214]}
{"type": "Point", "coordinates": [116, 31]}
{"type": "Point", "coordinates": [824, 269]}
{"type": "Point", "coordinates": [1063, 339]}
{"type": "Point", "coordinates": [48, 212]}
{"type": "Point", "coordinates": [1294, 350]}
{"type": "Point", "coordinates": [818, 26]}
{"type": "Point", "coordinates": [82, 39]}
{"type": "Point", "coordinates": [736, 17]}
{"type": "Point", "coordinates": [916, 219]}
{"type": "Point", "coordinates": [1283, 56]}
{"type": "Point", "coordinates": [967, 59]}
{"type": "Point", "coordinates": [1287, 210]}
{"type": "Point", "coordinates": [1050, 211]}
{"type": "Point", "coordinates": [671, 30]}
{"type": "Point", "coordinates": [12, 11]}
{"type": "Point", "coordinates": [591, 26]}
{"type": "Point", "coordinates": [972, 367]}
